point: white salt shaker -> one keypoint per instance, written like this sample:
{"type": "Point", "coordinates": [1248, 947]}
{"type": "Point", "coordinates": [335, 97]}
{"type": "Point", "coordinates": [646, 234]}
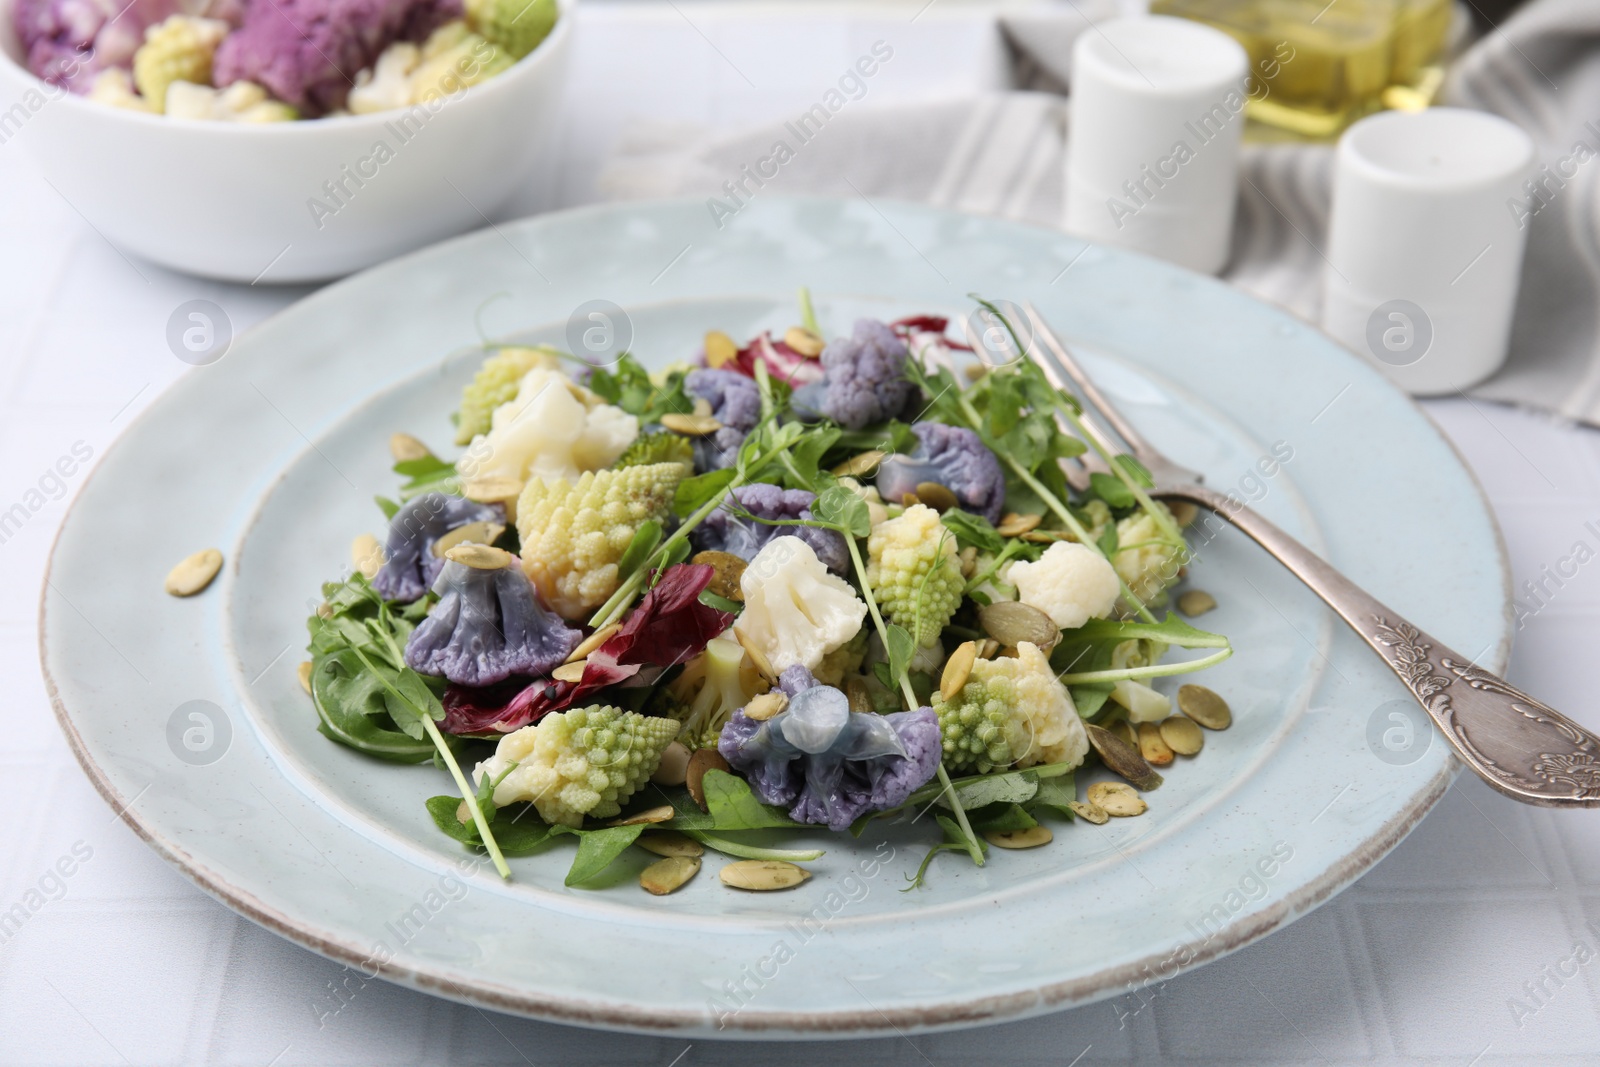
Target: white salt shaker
{"type": "Point", "coordinates": [1155, 113]}
{"type": "Point", "coordinates": [1425, 246]}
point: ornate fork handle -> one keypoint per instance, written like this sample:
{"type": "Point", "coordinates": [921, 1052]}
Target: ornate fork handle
{"type": "Point", "coordinates": [1523, 748]}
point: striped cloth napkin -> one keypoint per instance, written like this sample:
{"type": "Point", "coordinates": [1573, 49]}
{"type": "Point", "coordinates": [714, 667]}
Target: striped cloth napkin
{"type": "Point", "coordinates": [1001, 154]}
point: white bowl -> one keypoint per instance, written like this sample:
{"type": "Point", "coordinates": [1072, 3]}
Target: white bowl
{"type": "Point", "coordinates": [239, 202]}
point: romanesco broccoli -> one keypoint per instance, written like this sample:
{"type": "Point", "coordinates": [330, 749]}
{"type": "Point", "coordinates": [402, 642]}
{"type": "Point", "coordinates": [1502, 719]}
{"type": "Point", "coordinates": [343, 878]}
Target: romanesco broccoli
{"type": "Point", "coordinates": [177, 50]}
{"type": "Point", "coordinates": [663, 447]}
{"type": "Point", "coordinates": [713, 686]}
{"type": "Point", "coordinates": [515, 25]}
{"type": "Point", "coordinates": [846, 660]}
{"type": "Point", "coordinates": [574, 534]}
{"type": "Point", "coordinates": [496, 383]}
{"type": "Point", "coordinates": [1010, 712]}
{"type": "Point", "coordinates": [915, 573]}
{"type": "Point", "coordinates": [585, 761]}
{"type": "Point", "coordinates": [453, 58]}
{"type": "Point", "coordinates": [1147, 559]}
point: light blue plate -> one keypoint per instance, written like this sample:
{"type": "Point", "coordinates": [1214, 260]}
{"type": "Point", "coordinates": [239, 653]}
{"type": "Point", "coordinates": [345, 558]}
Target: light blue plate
{"type": "Point", "coordinates": [274, 455]}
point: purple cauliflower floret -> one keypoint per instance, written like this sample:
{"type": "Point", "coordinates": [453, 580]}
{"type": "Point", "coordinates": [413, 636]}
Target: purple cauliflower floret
{"type": "Point", "coordinates": [68, 42]}
{"type": "Point", "coordinates": [308, 52]}
{"type": "Point", "coordinates": [957, 459]}
{"type": "Point", "coordinates": [736, 403]}
{"type": "Point", "coordinates": [864, 381]}
{"type": "Point", "coordinates": [409, 565]}
{"type": "Point", "coordinates": [487, 626]}
{"type": "Point", "coordinates": [826, 764]}
{"type": "Point", "coordinates": [723, 531]}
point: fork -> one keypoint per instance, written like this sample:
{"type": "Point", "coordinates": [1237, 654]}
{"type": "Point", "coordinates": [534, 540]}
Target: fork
{"type": "Point", "coordinates": [1524, 748]}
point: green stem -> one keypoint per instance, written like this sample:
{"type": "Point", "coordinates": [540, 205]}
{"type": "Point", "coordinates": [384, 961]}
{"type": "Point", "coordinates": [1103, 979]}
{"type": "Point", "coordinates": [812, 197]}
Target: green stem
{"type": "Point", "coordinates": [470, 795]}
{"type": "Point", "coordinates": [752, 852]}
{"type": "Point", "coordinates": [1162, 517]}
{"type": "Point", "coordinates": [1155, 670]}
{"type": "Point", "coordinates": [808, 315]}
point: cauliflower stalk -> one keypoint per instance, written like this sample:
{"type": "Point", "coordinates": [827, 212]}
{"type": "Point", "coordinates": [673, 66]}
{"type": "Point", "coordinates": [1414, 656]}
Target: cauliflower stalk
{"type": "Point", "coordinates": [795, 612]}
{"type": "Point", "coordinates": [574, 533]}
{"type": "Point", "coordinates": [1071, 583]}
{"type": "Point", "coordinates": [1146, 558]}
{"type": "Point", "coordinates": [585, 761]}
{"type": "Point", "coordinates": [1010, 713]}
{"type": "Point", "coordinates": [553, 429]}
{"type": "Point", "coordinates": [500, 377]}
{"type": "Point", "coordinates": [713, 685]}
{"type": "Point", "coordinates": [915, 573]}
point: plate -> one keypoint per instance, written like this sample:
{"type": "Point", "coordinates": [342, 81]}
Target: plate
{"type": "Point", "coordinates": [188, 716]}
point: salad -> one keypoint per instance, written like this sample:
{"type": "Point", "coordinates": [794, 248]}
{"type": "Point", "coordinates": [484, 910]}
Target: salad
{"type": "Point", "coordinates": [790, 584]}
{"type": "Point", "coordinates": [275, 60]}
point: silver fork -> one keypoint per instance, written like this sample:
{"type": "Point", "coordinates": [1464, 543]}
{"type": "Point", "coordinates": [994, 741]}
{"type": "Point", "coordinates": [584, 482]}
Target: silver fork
{"type": "Point", "coordinates": [1525, 749]}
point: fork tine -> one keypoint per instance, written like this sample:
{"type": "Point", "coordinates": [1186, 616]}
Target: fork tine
{"type": "Point", "coordinates": [1057, 355]}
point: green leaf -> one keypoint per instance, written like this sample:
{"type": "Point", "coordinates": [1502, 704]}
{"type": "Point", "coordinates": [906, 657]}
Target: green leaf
{"type": "Point", "coordinates": [1011, 787]}
{"type": "Point", "coordinates": [732, 806]}
{"type": "Point", "coordinates": [729, 846]}
{"type": "Point", "coordinates": [891, 436]}
{"type": "Point", "coordinates": [597, 849]}
{"type": "Point", "coordinates": [1107, 542]}
{"type": "Point", "coordinates": [387, 506]}
{"type": "Point", "coordinates": [627, 385]}
{"type": "Point", "coordinates": [973, 531]}
{"type": "Point", "coordinates": [901, 647]}
{"type": "Point", "coordinates": [805, 457]}
{"type": "Point", "coordinates": [645, 540]}
{"type": "Point", "coordinates": [1002, 818]}
{"type": "Point", "coordinates": [350, 710]}
{"type": "Point", "coordinates": [841, 508]}
{"type": "Point", "coordinates": [721, 603]}
{"type": "Point", "coordinates": [425, 475]}
{"type": "Point", "coordinates": [1054, 795]}
{"type": "Point", "coordinates": [1137, 472]}
{"type": "Point", "coordinates": [694, 493]}
{"type": "Point", "coordinates": [1110, 489]}
{"type": "Point", "coordinates": [516, 828]}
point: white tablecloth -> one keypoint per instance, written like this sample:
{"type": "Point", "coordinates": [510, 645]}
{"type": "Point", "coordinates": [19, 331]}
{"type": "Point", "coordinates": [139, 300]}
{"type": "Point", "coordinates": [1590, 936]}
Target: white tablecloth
{"type": "Point", "coordinates": [1487, 906]}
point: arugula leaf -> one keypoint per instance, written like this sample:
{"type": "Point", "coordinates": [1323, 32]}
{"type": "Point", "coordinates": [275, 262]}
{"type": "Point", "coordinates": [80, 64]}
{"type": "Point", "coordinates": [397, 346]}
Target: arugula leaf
{"type": "Point", "coordinates": [973, 531]}
{"type": "Point", "coordinates": [1107, 542]}
{"type": "Point", "coordinates": [349, 705]}
{"type": "Point", "coordinates": [627, 385]}
{"type": "Point", "coordinates": [1054, 795]}
{"type": "Point", "coordinates": [516, 828]}
{"type": "Point", "coordinates": [841, 508]}
{"type": "Point", "coordinates": [1137, 472]}
{"type": "Point", "coordinates": [954, 841]}
{"type": "Point", "coordinates": [427, 474]}
{"type": "Point", "coordinates": [731, 847]}
{"type": "Point", "coordinates": [805, 459]}
{"type": "Point", "coordinates": [1002, 818]}
{"type": "Point", "coordinates": [891, 436]}
{"type": "Point", "coordinates": [597, 849]}
{"type": "Point", "coordinates": [1110, 489]}
{"type": "Point", "coordinates": [732, 806]}
{"type": "Point", "coordinates": [387, 506]}
{"type": "Point", "coordinates": [901, 646]}
{"type": "Point", "coordinates": [1011, 787]}
{"type": "Point", "coordinates": [694, 493]}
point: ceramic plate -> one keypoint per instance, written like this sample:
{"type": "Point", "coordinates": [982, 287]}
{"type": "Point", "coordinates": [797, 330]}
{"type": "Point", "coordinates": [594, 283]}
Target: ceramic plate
{"type": "Point", "coordinates": [188, 716]}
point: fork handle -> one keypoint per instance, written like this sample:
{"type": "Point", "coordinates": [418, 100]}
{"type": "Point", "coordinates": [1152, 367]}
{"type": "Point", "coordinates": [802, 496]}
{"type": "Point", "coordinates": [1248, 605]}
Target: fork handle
{"type": "Point", "coordinates": [1525, 749]}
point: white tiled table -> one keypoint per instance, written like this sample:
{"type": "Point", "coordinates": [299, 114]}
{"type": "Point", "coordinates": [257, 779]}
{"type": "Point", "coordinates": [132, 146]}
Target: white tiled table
{"type": "Point", "coordinates": [1415, 964]}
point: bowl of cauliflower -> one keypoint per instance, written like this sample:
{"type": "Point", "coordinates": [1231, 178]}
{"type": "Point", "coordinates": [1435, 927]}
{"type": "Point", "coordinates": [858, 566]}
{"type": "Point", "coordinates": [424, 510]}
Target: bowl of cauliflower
{"type": "Point", "coordinates": [281, 140]}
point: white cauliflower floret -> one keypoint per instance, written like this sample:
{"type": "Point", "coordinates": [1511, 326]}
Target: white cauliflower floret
{"type": "Point", "coordinates": [554, 429]}
{"type": "Point", "coordinates": [387, 84]}
{"type": "Point", "coordinates": [794, 610]}
{"type": "Point", "coordinates": [114, 86]}
{"type": "Point", "coordinates": [1144, 704]}
{"type": "Point", "coordinates": [1146, 558]}
{"type": "Point", "coordinates": [239, 102]}
{"type": "Point", "coordinates": [1071, 583]}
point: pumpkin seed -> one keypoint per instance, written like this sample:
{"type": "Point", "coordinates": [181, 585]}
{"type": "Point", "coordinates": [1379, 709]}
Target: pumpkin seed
{"type": "Point", "coordinates": [763, 876]}
{"type": "Point", "coordinates": [703, 760]}
{"type": "Point", "coordinates": [1196, 602]}
{"type": "Point", "coordinates": [691, 425]}
{"type": "Point", "coordinates": [1155, 751]}
{"type": "Point", "coordinates": [757, 657]}
{"type": "Point", "coordinates": [303, 672]}
{"type": "Point", "coordinates": [1089, 812]}
{"type": "Point", "coordinates": [1124, 729]}
{"type": "Point", "coordinates": [720, 349]}
{"type": "Point", "coordinates": [1117, 799]}
{"type": "Point", "coordinates": [367, 555]}
{"type": "Point", "coordinates": [766, 705]}
{"type": "Point", "coordinates": [194, 573]}
{"type": "Point", "coordinates": [856, 466]}
{"type": "Point", "coordinates": [1012, 622]}
{"type": "Point", "coordinates": [670, 843]}
{"type": "Point", "coordinates": [804, 341]}
{"type": "Point", "coordinates": [1182, 735]}
{"type": "Point", "coordinates": [1122, 758]}
{"type": "Point", "coordinates": [647, 817]}
{"type": "Point", "coordinates": [592, 642]}
{"type": "Point", "coordinates": [668, 875]}
{"type": "Point", "coordinates": [701, 406]}
{"type": "Point", "coordinates": [324, 610]}
{"type": "Point", "coordinates": [674, 765]}
{"type": "Point", "coordinates": [990, 647]}
{"type": "Point", "coordinates": [480, 557]}
{"type": "Point", "coordinates": [1032, 837]}
{"type": "Point", "coordinates": [727, 570]}
{"type": "Point", "coordinates": [463, 813]}
{"type": "Point", "coordinates": [909, 500]}
{"type": "Point", "coordinates": [860, 700]}
{"type": "Point", "coordinates": [937, 496]}
{"type": "Point", "coordinates": [1014, 525]}
{"type": "Point", "coordinates": [969, 561]}
{"type": "Point", "coordinates": [491, 490]}
{"type": "Point", "coordinates": [477, 533]}
{"type": "Point", "coordinates": [570, 672]}
{"type": "Point", "coordinates": [1046, 537]}
{"type": "Point", "coordinates": [974, 371]}
{"type": "Point", "coordinates": [1184, 512]}
{"type": "Point", "coordinates": [404, 448]}
{"type": "Point", "coordinates": [1204, 707]}
{"type": "Point", "coordinates": [957, 669]}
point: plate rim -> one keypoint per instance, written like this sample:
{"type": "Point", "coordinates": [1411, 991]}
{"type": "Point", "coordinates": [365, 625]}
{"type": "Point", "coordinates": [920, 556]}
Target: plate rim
{"type": "Point", "coordinates": [754, 1023]}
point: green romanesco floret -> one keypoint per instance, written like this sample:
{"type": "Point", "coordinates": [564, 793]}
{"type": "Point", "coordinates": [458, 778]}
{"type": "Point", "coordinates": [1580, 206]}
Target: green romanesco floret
{"type": "Point", "coordinates": [662, 447]}
{"type": "Point", "coordinates": [713, 685]}
{"type": "Point", "coordinates": [176, 50]}
{"type": "Point", "coordinates": [515, 25]}
{"type": "Point", "coordinates": [1011, 712]}
{"type": "Point", "coordinates": [575, 533]}
{"type": "Point", "coordinates": [846, 660]}
{"type": "Point", "coordinates": [1147, 558]}
{"type": "Point", "coordinates": [584, 761]}
{"type": "Point", "coordinates": [453, 58]}
{"type": "Point", "coordinates": [496, 383]}
{"type": "Point", "coordinates": [915, 572]}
